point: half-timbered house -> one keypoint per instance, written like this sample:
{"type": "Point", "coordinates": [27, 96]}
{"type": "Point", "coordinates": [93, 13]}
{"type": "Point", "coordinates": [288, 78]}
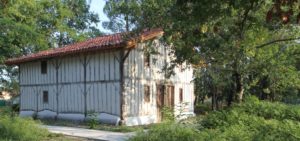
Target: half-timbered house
{"type": "Point", "coordinates": [120, 79]}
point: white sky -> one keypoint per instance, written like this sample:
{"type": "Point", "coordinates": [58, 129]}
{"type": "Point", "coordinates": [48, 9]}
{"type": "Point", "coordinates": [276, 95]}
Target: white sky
{"type": "Point", "coordinates": [97, 7]}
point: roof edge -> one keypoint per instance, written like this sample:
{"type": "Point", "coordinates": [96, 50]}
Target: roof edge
{"type": "Point", "coordinates": [125, 44]}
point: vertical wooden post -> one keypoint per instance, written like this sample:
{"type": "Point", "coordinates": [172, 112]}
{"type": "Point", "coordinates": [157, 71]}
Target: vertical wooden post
{"type": "Point", "coordinates": [122, 52]}
{"type": "Point", "coordinates": [123, 57]}
{"type": "Point", "coordinates": [57, 65]}
{"type": "Point", "coordinates": [84, 84]}
{"type": "Point", "coordinates": [37, 100]}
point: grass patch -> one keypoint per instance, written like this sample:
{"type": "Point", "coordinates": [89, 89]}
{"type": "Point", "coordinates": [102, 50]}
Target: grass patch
{"type": "Point", "coordinates": [13, 128]}
{"type": "Point", "coordinates": [21, 129]}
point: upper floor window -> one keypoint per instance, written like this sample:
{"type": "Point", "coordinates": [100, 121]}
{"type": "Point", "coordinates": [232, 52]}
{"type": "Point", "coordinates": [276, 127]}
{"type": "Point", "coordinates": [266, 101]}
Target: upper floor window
{"type": "Point", "coordinates": [180, 95]}
{"type": "Point", "coordinates": [146, 93]}
{"type": "Point", "coordinates": [146, 59]}
{"type": "Point", "coordinates": [44, 67]}
{"type": "Point", "coordinates": [181, 69]}
{"type": "Point", "coordinates": [45, 97]}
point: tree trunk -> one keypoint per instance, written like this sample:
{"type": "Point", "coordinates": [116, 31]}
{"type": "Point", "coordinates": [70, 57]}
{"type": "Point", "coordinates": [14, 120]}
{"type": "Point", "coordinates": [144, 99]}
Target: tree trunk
{"type": "Point", "coordinates": [230, 96]}
{"type": "Point", "coordinates": [196, 99]}
{"type": "Point", "coordinates": [213, 100]}
{"type": "Point", "coordinates": [239, 87]}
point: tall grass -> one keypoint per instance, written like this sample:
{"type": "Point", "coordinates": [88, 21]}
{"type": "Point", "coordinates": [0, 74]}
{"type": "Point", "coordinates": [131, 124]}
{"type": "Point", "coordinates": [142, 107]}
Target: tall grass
{"type": "Point", "coordinates": [18, 129]}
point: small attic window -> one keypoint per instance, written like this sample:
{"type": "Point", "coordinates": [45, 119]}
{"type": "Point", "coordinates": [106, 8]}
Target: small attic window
{"type": "Point", "coordinates": [146, 59]}
{"type": "Point", "coordinates": [44, 67]}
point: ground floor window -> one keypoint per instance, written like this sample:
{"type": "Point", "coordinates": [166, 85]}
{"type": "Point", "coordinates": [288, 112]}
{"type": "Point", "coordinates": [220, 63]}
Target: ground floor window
{"type": "Point", "coordinates": [146, 93]}
{"type": "Point", "coordinates": [45, 97]}
{"type": "Point", "coordinates": [180, 95]}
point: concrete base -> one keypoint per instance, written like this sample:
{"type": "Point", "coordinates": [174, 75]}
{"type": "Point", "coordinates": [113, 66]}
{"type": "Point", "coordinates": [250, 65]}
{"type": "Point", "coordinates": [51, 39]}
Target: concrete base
{"type": "Point", "coordinates": [26, 113]}
{"type": "Point", "coordinates": [101, 117]}
{"type": "Point", "coordinates": [71, 117]}
{"type": "Point", "coordinates": [141, 120]}
{"type": "Point", "coordinates": [46, 114]}
{"type": "Point", "coordinates": [108, 119]}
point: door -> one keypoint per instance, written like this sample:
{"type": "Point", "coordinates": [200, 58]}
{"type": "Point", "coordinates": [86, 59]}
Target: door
{"type": "Point", "coordinates": [160, 90]}
{"type": "Point", "coordinates": [169, 100]}
{"type": "Point", "coordinates": [164, 98]}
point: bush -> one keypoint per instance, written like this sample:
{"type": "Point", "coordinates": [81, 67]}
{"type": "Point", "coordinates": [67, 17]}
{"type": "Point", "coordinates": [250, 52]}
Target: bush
{"type": "Point", "coordinates": [168, 132]}
{"type": "Point", "coordinates": [21, 129]}
{"type": "Point", "coordinates": [252, 120]}
{"type": "Point", "coordinates": [269, 110]}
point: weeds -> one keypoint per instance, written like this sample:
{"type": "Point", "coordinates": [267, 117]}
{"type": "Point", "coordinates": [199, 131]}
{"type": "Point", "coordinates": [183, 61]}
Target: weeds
{"type": "Point", "coordinates": [252, 120]}
{"type": "Point", "coordinates": [21, 129]}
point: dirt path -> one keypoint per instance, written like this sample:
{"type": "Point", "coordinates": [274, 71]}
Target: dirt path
{"type": "Point", "coordinates": [90, 134]}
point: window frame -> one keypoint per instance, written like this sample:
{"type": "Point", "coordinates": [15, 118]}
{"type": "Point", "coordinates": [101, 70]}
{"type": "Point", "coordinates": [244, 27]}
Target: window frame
{"type": "Point", "coordinates": [147, 93]}
{"type": "Point", "coordinates": [180, 95]}
{"type": "Point", "coordinates": [44, 67]}
{"type": "Point", "coordinates": [45, 97]}
{"type": "Point", "coordinates": [146, 59]}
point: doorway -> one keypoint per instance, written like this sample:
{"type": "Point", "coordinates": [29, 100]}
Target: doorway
{"type": "Point", "coordinates": [164, 98]}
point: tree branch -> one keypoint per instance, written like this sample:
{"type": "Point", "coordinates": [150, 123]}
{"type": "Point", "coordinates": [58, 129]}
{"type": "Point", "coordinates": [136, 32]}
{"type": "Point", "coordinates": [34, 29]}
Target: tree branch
{"type": "Point", "coordinates": [276, 41]}
{"type": "Point", "coordinates": [245, 18]}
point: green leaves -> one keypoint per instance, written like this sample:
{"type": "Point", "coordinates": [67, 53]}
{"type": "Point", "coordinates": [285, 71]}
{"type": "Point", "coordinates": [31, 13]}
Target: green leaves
{"type": "Point", "coordinates": [28, 26]}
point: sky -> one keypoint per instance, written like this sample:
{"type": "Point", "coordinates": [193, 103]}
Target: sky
{"type": "Point", "coordinates": [97, 7]}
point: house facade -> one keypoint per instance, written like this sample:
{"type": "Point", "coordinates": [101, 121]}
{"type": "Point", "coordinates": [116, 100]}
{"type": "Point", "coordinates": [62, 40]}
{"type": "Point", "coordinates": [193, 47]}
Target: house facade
{"type": "Point", "coordinates": [120, 79]}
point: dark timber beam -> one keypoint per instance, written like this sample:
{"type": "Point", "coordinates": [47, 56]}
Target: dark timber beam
{"type": "Point", "coordinates": [123, 56]}
{"type": "Point", "coordinates": [57, 65]}
{"type": "Point", "coordinates": [85, 62]}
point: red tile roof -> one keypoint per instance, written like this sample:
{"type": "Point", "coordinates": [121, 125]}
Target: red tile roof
{"type": "Point", "coordinates": [108, 42]}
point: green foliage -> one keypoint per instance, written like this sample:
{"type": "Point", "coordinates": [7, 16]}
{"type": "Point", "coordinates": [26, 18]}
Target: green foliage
{"type": "Point", "coordinates": [269, 110]}
{"type": "Point", "coordinates": [29, 26]}
{"type": "Point", "coordinates": [21, 129]}
{"type": "Point", "coordinates": [253, 120]}
{"type": "Point", "coordinates": [168, 114]}
{"type": "Point", "coordinates": [239, 50]}
{"type": "Point", "coordinates": [168, 132]}
{"type": "Point", "coordinates": [92, 119]}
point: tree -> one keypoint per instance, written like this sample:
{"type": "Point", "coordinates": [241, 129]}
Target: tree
{"type": "Point", "coordinates": [231, 36]}
{"type": "Point", "coordinates": [28, 26]}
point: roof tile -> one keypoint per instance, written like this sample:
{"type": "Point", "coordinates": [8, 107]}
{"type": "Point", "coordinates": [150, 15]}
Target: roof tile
{"type": "Point", "coordinates": [107, 42]}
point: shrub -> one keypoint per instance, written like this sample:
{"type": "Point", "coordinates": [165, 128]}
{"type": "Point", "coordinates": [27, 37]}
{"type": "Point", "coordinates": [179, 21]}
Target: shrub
{"type": "Point", "coordinates": [92, 121]}
{"type": "Point", "coordinates": [168, 132]}
{"type": "Point", "coordinates": [269, 110]}
{"type": "Point", "coordinates": [252, 120]}
{"type": "Point", "coordinates": [21, 129]}
{"type": "Point", "coordinates": [168, 114]}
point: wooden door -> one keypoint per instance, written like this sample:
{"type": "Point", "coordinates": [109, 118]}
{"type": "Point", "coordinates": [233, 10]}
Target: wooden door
{"type": "Point", "coordinates": [169, 100]}
{"type": "Point", "coordinates": [164, 98]}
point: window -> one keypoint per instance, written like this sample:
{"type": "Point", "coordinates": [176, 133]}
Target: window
{"type": "Point", "coordinates": [180, 95]}
{"type": "Point", "coordinates": [45, 97]}
{"type": "Point", "coordinates": [146, 59]}
{"type": "Point", "coordinates": [181, 69]}
{"type": "Point", "coordinates": [146, 93]}
{"type": "Point", "coordinates": [44, 67]}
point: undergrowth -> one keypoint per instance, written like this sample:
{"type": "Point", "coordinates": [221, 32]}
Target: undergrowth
{"type": "Point", "coordinates": [252, 120]}
{"type": "Point", "coordinates": [19, 129]}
